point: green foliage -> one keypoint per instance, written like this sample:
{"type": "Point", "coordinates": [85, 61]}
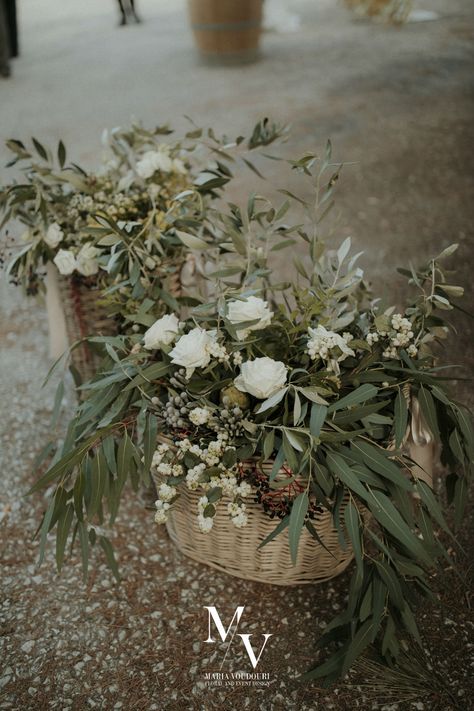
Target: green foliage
{"type": "Point", "coordinates": [334, 426]}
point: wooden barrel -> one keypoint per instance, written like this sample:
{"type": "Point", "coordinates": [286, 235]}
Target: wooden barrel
{"type": "Point", "coordinates": [227, 30]}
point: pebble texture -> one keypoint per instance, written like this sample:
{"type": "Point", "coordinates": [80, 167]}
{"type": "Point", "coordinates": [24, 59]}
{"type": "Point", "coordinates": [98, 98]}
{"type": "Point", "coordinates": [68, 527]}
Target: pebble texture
{"type": "Point", "coordinates": [395, 104]}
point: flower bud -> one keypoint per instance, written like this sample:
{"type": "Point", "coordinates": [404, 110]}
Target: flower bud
{"type": "Point", "coordinates": [234, 397]}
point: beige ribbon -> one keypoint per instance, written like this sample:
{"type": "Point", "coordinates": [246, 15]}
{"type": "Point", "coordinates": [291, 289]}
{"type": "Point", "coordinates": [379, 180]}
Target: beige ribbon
{"type": "Point", "coordinates": [420, 444]}
{"type": "Point", "coordinates": [58, 340]}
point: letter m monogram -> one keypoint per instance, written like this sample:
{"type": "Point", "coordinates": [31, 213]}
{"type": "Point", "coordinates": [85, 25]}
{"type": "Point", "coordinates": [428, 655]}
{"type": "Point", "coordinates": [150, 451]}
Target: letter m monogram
{"type": "Point", "coordinates": [214, 615]}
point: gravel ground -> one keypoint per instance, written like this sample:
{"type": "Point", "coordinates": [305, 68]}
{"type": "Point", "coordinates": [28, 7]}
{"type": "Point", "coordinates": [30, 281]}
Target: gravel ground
{"type": "Point", "coordinates": [405, 124]}
{"type": "Point", "coordinates": [140, 645]}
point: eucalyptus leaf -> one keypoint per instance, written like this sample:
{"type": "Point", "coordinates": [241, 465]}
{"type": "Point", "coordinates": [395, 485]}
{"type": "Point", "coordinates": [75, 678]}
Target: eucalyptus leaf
{"type": "Point", "coordinates": [298, 513]}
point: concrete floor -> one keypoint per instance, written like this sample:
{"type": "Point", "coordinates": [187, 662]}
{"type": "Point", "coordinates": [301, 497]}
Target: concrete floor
{"type": "Point", "coordinates": [398, 106]}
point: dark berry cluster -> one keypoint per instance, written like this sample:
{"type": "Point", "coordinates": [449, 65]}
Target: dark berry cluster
{"type": "Point", "coordinates": [276, 503]}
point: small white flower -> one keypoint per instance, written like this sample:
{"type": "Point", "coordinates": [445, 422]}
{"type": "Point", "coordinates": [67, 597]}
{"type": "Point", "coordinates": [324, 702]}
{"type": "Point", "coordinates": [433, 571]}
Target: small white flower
{"type": "Point", "coordinates": [261, 377]}
{"type": "Point", "coordinates": [153, 161]}
{"type": "Point", "coordinates": [164, 469]}
{"type": "Point", "coordinates": [412, 350]}
{"type": "Point", "coordinates": [202, 503]}
{"type": "Point", "coordinates": [215, 448]}
{"type": "Point", "coordinates": [322, 341]}
{"type": "Point", "coordinates": [166, 493]}
{"type": "Point", "coordinates": [162, 333]}
{"type": "Point", "coordinates": [159, 159]}
{"type": "Point", "coordinates": [244, 489]}
{"type": "Point", "coordinates": [199, 416]}
{"type": "Point", "coordinates": [240, 520]}
{"type": "Point", "coordinates": [54, 235]}
{"type": "Point", "coordinates": [228, 484]}
{"type": "Point", "coordinates": [205, 523]}
{"type": "Point", "coordinates": [156, 459]}
{"type": "Point", "coordinates": [161, 516]}
{"type": "Point", "coordinates": [192, 480]}
{"type": "Point", "coordinates": [87, 264]}
{"type": "Point", "coordinates": [237, 358]}
{"type": "Point", "coordinates": [219, 352]}
{"type": "Point", "coordinates": [65, 262]}
{"type": "Point", "coordinates": [249, 309]}
{"type": "Point", "coordinates": [184, 444]}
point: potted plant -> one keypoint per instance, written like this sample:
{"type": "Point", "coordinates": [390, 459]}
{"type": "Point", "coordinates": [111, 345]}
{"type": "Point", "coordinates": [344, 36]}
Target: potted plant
{"type": "Point", "coordinates": [225, 30]}
{"type": "Point", "coordinates": [110, 246]}
{"type": "Point", "coordinates": [277, 421]}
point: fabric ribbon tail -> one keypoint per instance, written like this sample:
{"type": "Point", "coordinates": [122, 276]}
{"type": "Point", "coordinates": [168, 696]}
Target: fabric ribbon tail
{"type": "Point", "coordinates": [421, 445]}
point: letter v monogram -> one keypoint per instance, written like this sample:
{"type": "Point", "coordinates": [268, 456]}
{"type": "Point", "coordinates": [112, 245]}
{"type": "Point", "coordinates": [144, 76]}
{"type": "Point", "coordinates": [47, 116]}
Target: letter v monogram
{"type": "Point", "coordinates": [246, 640]}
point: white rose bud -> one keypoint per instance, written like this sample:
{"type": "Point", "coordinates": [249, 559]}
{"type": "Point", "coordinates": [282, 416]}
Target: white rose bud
{"type": "Point", "coordinates": [54, 235]}
{"type": "Point", "coordinates": [249, 309]}
{"type": "Point", "coordinates": [162, 333]}
{"type": "Point", "coordinates": [87, 263]}
{"type": "Point", "coordinates": [192, 350]}
{"type": "Point", "coordinates": [65, 262]}
{"type": "Point", "coordinates": [261, 377]}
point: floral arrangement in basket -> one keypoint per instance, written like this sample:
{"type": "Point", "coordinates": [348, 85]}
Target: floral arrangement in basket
{"type": "Point", "coordinates": [127, 227]}
{"type": "Point", "coordinates": [295, 397]}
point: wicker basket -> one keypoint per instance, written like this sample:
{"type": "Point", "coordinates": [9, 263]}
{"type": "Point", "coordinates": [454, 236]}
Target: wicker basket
{"type": "Point", "coordinates": [85, 316]}
{"type": "Point", "coordinates": [235, 550]}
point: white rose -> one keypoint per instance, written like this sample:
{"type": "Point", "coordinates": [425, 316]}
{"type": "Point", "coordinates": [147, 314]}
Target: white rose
{"type": "Point", "coordinates": [145, 166]}
{"type": "Point", "coordinates": [65, 262]}
{"type": "Point", "coordinates": [250, 309]}
{"type": "Point", "coordinates": [162, 333]}
{"type": "Point", "coordinates": [261, 377]}
{"type": "Point", "coordinates": [153, 161]}
{"type": "Point", "coordinates": [54, 235]}
{"type": "Point", "coordinates": [87, 263]}
{"type": "Point", "coordinates": [192, 350]}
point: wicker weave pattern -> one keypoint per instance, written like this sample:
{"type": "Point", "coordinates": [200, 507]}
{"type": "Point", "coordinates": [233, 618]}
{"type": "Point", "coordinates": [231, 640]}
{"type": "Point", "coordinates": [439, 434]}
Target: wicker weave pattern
{"type": "Point", "coordinates": [235, 550]}
{"type": "Point", "coordinates": [85, 316]}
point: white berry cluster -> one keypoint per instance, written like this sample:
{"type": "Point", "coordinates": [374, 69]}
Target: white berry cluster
{"type": "Point", "coordinates": [237, 358]}
{"type": "Point", "coordinates": [400, 335]}
{"type": "Point", "coordinates": [329, 346]}
{"type": "Point", "coordinates": [218, 352]}
{"type": "Point", "coordinates": [199, 416]}
{"type": "Point", "coordinates": [166, 495]}
{"type": "Point", "coordinates": [238, 515]}
{"type": "Point", "coordinates": [168, 462]}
